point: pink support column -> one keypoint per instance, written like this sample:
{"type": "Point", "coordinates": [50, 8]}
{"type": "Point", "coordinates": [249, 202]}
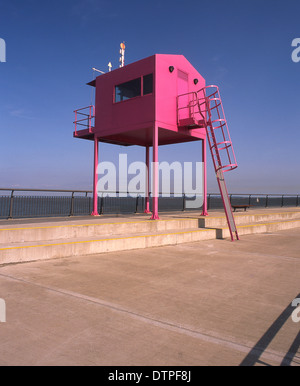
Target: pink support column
{"type": "Point", "coordinates": [147, 200]}
{"type": "Point", "coordinates": [204, 208]}
{"type": "Point", "coordinates": [95, 180]}
{"type": "Point", "coordinates": [155, 175]}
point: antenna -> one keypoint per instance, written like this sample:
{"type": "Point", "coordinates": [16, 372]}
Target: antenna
{"type": "Point", "coordinates": [95, 69]}
{"type": "Point", "coordinates": [122, 55]}
{"type": "Point", "coordinates": [121, 60]}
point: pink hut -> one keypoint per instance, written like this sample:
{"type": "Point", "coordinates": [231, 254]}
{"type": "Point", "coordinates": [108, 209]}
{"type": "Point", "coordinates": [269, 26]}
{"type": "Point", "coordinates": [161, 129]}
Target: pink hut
{"type": "Point", "coordinates": [156, 101]}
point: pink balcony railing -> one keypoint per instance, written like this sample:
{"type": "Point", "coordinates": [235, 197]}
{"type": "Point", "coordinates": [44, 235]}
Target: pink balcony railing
{"type": "Point", "coordinates": [85, 119]}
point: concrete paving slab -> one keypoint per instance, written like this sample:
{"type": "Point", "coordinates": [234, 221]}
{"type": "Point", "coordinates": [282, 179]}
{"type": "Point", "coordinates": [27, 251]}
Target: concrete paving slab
{"type": "Point", "coordinates": [204, 303]}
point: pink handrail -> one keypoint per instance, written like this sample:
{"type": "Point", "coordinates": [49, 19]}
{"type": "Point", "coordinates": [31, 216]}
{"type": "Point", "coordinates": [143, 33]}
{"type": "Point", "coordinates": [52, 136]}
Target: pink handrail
{"type": "Point", "coordinates": [204, 103]}
{"type": "Point", "coordinates": [87, 121]}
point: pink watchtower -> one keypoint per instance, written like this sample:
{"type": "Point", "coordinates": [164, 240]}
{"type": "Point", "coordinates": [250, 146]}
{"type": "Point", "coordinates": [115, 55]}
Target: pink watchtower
{"type": "Point", "coordinates": [159, 100]}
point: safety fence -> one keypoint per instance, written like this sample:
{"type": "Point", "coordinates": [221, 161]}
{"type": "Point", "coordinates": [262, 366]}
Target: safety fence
{"type": "Point", "coordinates": [25, 203]}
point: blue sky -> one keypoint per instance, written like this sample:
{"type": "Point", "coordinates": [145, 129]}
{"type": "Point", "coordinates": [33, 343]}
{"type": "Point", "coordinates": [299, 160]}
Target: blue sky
{"type": "Point", "coordinates": [243, 46]}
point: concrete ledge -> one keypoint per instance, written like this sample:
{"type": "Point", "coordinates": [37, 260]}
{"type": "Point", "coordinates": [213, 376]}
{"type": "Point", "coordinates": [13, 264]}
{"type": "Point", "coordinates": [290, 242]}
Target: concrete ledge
{"type": "Point", "coordinates": [40, 251]}
{"type": "Point", "coordinates": [259, 228]}
{"type": "Point", "coordinates": [247, 218]}
{"type": "Point", "coordinates": [39, 241]}
{"type": "Point", "coordinates": [67, 231]}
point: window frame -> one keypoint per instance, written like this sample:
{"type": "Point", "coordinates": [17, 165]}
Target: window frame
{"type": "Point", "coordinates": [142, 88]}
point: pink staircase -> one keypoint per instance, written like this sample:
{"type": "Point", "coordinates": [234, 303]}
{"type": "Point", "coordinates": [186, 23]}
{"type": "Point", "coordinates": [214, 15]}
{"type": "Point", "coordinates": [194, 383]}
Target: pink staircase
{"type": "Point", "coordinates": [206, 109]}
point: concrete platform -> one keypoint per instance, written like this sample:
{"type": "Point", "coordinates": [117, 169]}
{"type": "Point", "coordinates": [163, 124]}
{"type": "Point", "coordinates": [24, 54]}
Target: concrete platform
{"type": "Point", "coordinates": [211, 302]}
{"type": "Point", "coordinates": [38, 239]}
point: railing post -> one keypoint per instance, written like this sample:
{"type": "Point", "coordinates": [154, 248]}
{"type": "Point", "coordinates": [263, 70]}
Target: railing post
{"type": "Point", "coordinates": [183, 202]}
{"type": "Point", "coordinates": [297, 200]}
{"type": "Point", "coordinates": [282, 201]}
{"type": "Point", "coordinates": [75, 122]}
{"type": "Point", "coordinates": [11, 203]}
{"type": "Point", "coordinates": [101, 204]}
{"type": "Point", "coordinates": [72, 205]}
{"type": "Point", "coordinates": [267, 200]}
{"type": "Point", "coordinates": [90, 120]}
{"type": "Point", "coordinates": [249, 202]}
{"type": "Point", "coordinates": [177, 112]}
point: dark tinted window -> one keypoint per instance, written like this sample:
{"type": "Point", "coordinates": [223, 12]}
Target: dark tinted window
{"type": "Point", "coordinates": [148, 84]}
{"type": "Point", "coordinates": [128, 90]}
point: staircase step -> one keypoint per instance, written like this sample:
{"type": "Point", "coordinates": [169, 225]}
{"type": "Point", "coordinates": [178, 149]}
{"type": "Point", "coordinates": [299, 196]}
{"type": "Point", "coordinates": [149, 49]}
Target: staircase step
{"type": "Point", "coordinates": [37, 241]}
{"type": "Point", "coordinates": [260, 227]}
{"type": "Point", "coordinates": [21, 252]}
{"type": "Point", "coordinates": [54, 231]}
{"type": "Point", "coordinates": [245, 218]}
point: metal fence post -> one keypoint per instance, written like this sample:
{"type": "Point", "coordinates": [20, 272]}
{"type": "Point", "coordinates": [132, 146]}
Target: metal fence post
{"type": "Point", "coordinates": [72, 205]}
{"type": "Point", "coordinates": [282, 201]}
{"type": "Point", "coordinates": [101, 204]}
{"type": "Point", "coordinates": [249, 202]}
{"type": "Point", "coordinates": [267, 200]}
{"type": "Point", "coordinates": [297, 200]}
{"type": "Point", "coordinates": [183, 203]}
{"type": "Point", "coordinates": [11, 203]}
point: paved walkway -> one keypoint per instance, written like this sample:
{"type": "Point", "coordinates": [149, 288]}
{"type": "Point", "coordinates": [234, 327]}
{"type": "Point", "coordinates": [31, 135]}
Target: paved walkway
{"type": "Point", "coordinates": [206, 303]}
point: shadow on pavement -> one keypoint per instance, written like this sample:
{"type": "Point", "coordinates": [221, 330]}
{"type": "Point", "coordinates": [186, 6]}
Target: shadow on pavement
{"type": "Point", "coordinates": [253, 357]}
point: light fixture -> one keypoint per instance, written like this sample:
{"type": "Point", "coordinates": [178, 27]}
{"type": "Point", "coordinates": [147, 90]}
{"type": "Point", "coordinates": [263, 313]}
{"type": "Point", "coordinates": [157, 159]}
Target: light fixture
{"type": "Point", "coordinates": [196, 81]}
{"type": "Point", "coordinates": [171, 68]}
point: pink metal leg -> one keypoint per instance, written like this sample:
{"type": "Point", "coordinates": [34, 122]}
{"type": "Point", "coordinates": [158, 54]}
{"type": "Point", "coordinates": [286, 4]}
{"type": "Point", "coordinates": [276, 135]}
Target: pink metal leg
{"type": "Point", "coordinates": [155, 175]}
{"type": "Point", "coordinates": [95, 181]}
{"type": "Point", "coordinates": [204, 209]}
{"type": "Point", "coordinates": [147, 200]}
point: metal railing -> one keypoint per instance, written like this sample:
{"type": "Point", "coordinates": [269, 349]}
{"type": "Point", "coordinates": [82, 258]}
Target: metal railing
{"type": "Point", "coordinates": [25, 203]}
{"type": "Point", "coordinates": [88, 121]}
{"type": "Point", "coordinates": [257, 200]}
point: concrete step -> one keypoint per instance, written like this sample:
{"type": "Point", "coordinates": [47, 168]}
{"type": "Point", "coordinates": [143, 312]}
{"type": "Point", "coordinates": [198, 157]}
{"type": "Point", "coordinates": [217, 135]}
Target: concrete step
{"type": "Point", "coordinates": [37, 241]}
{"type": "Point", "coordinates": [54, 231]}
{"type": "Point", "coordinates": [247, 218]}
{"type": "Point", "coordinates": [259, 227]}
{"type": "Point", "coordinates": [28, 251]}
